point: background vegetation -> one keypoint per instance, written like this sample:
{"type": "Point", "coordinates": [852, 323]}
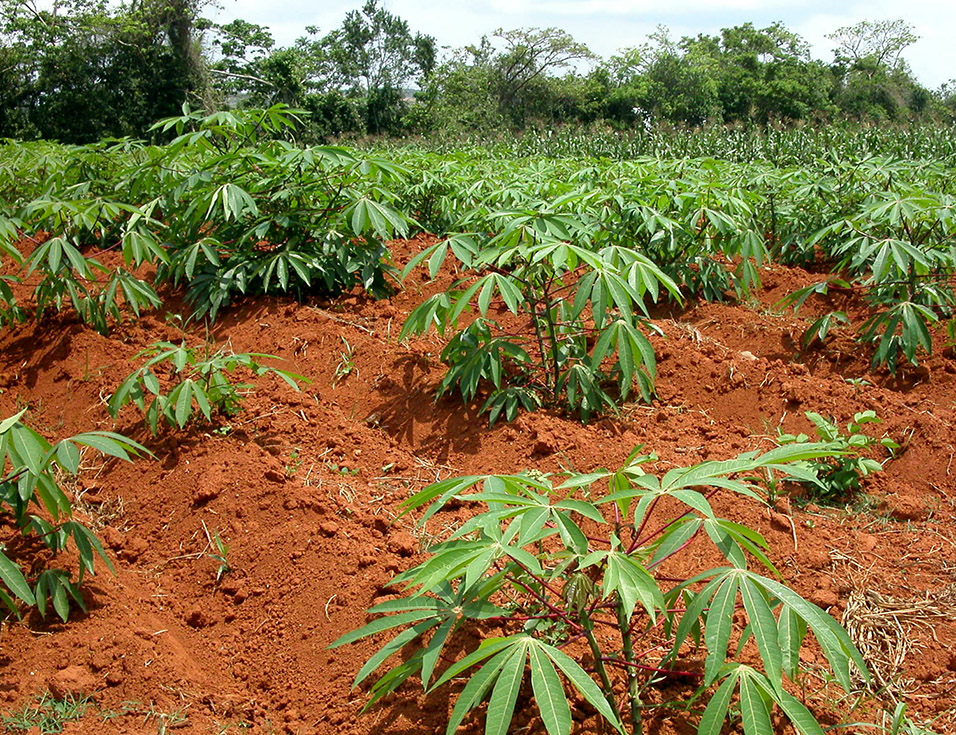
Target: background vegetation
{"type": "Point", "coordinates": [81, 70]}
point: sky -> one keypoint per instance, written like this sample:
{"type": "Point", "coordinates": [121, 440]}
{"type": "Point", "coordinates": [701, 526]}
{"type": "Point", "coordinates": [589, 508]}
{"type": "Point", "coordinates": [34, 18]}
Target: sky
{"type": "Point", "coordinates": [608, 25]}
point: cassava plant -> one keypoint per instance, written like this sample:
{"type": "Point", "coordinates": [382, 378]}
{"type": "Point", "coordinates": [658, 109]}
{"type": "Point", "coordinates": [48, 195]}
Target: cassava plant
{"type": "Point", "coordinates": [558, 321]}
{"type": "Point", "coordinates": [252, 213]}
{"type": "Point", "coordinates": [71, 275]}
{"type": "Point", "coordinates": [194, 378]}
{"type": "Point", "coordinates": [899, 249]}
{"type": "Point", "coordinates": [31, 472]}
{"type": "Point", "coordinates": [839, 476]}
{"type": "Point", "coordinates": [582, 572]}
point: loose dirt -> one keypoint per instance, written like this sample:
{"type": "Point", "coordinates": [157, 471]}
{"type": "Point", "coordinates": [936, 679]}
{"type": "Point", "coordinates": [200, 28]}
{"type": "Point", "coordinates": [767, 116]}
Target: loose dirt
{"type": "Point", "coordinates": [304, 487]}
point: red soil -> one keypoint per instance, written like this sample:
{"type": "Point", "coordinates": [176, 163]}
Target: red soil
{"type": "Point", "coordinates": [305, 487]}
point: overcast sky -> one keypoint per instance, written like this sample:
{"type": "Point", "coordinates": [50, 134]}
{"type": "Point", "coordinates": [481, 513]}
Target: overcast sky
{"type": "Point", "coordinates": [608, 25]}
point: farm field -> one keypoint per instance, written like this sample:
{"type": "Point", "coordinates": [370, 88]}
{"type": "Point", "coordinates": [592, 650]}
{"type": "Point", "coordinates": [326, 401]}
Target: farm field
{"type": "Point", "coordinates": [605, 306]}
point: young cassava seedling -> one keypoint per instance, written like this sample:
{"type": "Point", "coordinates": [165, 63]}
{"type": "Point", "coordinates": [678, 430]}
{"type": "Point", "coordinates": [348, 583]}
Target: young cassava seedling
{"type": "Point", "coordinates": [30, 474]}
{"type": "Point", "coordinates": [200, 379]}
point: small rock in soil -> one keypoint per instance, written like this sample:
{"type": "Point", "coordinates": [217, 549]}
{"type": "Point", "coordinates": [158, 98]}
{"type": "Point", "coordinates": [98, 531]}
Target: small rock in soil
{"type": "Point", "coordinates": [403, 544]}
{"type": "Point", "coordinates": [907, 508]}
{"type": "Point", "coordinates": [824, 598]}
{"type": "Point", "coordinates": [198, 618]}
{"type": "Point", "coordinates": [275, 476]}
{"type": "Point", "coordinates": [328, 528]}
{"type": "Point", "coordinates": [73, 681]}
{"type": "Point", "coordinates": [135, 548]}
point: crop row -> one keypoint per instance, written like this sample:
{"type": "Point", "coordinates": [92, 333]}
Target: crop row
{"type": "Point", "coordinates": [231, 207]}
{"type": "Point", "coordinates": [560, 259]}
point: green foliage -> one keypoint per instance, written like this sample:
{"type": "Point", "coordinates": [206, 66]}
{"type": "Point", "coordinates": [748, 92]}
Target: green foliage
{"type": "Point", "coordinates": [580, 306]}
{"type": "Point", "coordinates": [898, 722]}
{"type": "Point", "coordinates": [198, 379]}
{"type": "Point", "coordinates": [375, 54]}
{"type": "Point", "coordinates": [48, 714]}
{"type": "Point", "coordinates": [898, 248]}
{"type": "Point", "coordinates": [552, 560]}
{"type": "Point", "coordinates": [219, 553]}
{"type": "Point", "coordinates": [81, 70]}
{"type": "Point", "coordinates": [838, 477]}
{"type": "Point", "coordinates": [266, 216]}
{"type": "Point", "coordinates": [81, 219]}
{"type": "Point", "coordinates": [31, 473]}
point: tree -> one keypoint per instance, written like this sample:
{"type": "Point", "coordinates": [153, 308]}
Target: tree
{"type": "Point", "coordinates": [762, 74]}
{"type": "Point", "coordinates": [80, 70]}
{"type": "Point", "coordinates": [528, 55]}
{"type": "Point", "coordinates": [874, 80]}
{"type": "Point", "coordinates": [676, 84]}
{"type": "Point", "coordinates": [873, 43]}
{"type": "Point", "coordinates": [512, 81]}
{"type": "Point", "coordinates": [374, 55]}
{"type": "Point", "coordinates": [243, 47]}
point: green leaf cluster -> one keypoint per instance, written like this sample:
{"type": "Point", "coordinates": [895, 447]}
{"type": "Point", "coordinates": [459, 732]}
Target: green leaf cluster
{"type": "Point", "coordinates": [553, 559]}
{"type": "Point", "coordinates": [198, 381]}
{"type": "Point", "coordinates": [838, 477]}
{"type": "Point", "coordinates": [36, 504]}
{"type": "Point", "coordinates": [250, 213]}
{"type": "Point", "coordinates": [580, 310]}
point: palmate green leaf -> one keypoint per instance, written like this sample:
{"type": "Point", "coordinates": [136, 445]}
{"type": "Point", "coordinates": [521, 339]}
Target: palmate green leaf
{"type": "Point", "coordinates": [679, 533]}
{"type": "Point", "coordinates": [719, 625]}
{"type": "Point", "coordinates": [432, 652]}
{"type": "Point", "coordinates": [690, 619]}
{"type": "Point", "coordinates": [8, 422]}
{"type": "Point", "coordinates": [382, 624]}
{"type": "Point", "coordinates": [368, 217]}
{"type": "Point", "coordinates": [754, 706]}
{"type": "Point", "coordinates": [833, 639]}
{"type": "Point", "coordinates": [438, 494]}
{"type": "Point", "coordinates": [764, 628]}
{"type": "Point", "coordinates": [507, 659]}
{"type": "Point", "coordinates": [507, 400]}
{"type": "Point", "coordinates": [633, 351]}
{"type": "Point", "coordinates": [475, 690]}
{"type": "Point", "coordinates": [13, 579]}
{"type": "Point", "coordinates": [26, 447]}
{"type": "Point", "coordinates": [798, 714]}
{"type": "Point", "coordinates": [733, 539]}
{"type": "Point", "coordinates": [451, 560]}
{"type": "Point", "coordinates": [715, 714]}
{"type": "Point", "coordinates": [87, 543]}
{"type": "Point", "coordinates": [583, 683]}
{"type": "Point", "coordinates": [487, 648]}
{"type": "Point", "coordinates": [44, 488]}
{"type": "Point", "coordinates": [626, 576]}
{"type": "Point", "coordinates": [549, 693]}
{"type": "Point", "coordinates": [433, 312]}
{"type": "Point", "coordinates": [109, 443]}
{"type": "Point", "coordinates": [504, 694]}
{"type": "Point", "coordinates": [791, 631]}
{"type": "Point", "coordinates": [392, 647]}
{"type": "Point", "coordinates": [67, 456]}
{"type": "Point", "coordinates": [138, 294]}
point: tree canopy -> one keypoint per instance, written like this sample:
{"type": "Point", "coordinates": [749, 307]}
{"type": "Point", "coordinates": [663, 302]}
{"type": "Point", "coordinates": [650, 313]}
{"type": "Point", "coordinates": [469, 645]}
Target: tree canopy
{"type": "Point", "coordinates": [81, 70]}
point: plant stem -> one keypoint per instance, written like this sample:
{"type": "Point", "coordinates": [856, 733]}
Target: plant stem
{"type": "Point", "coordinates": [539, 333]}
{"type": "Point", "coordinates": [606, 685]}
{"type": "Point", "coordinates": [633, 685]}
{"type": "Point", "coordinates": [553, 338]}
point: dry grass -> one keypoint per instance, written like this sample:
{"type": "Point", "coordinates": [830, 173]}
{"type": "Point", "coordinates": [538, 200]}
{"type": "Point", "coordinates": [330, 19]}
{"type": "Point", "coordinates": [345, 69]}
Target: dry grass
{"type": "Point", "coordinates": [882, 627]}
